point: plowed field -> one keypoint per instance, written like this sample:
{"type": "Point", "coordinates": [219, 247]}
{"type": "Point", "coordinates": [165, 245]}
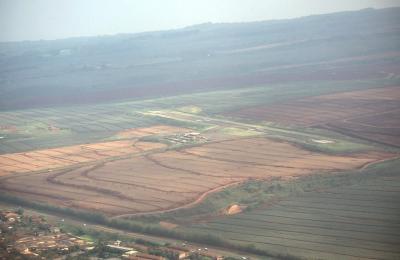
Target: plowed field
{"type": "Point", "coordinates": [66, 156]}
{"type": "Point", "coordinates": [160, 181]}
{"type": "Point", "coordinates": [368, 114]}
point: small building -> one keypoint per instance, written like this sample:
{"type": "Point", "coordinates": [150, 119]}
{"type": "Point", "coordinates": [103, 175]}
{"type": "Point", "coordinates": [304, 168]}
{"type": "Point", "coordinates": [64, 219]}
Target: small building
{"type": "Point", "coordinates": [180, 252]}
{"type": "Point", "coordinates": [88, 248]}
{"type": "Point", "coordinates": [143, 256]}
{"type": "Point", "coordinates": [140, 248]}
{"type": "Point", "coordinates": [120, 249]}
{"type": "Point", "coordinates": [210, 255]}
{"type": "Point", "coordinates": [129, 253]}
{"type": "Point", "coordinates": [11, 217]}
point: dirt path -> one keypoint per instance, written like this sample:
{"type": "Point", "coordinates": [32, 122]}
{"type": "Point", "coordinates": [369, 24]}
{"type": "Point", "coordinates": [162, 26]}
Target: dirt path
{"type": "Point", "coordinates": [350, 119]}
{"type": "Point", "coordinates": [378, 161]}
{"type": "Point", "coordinates": [220, 188]}
{"type": "Point", "coordinates": [185, 206]}
{"type": "Point", "coordinates": [59, 219]}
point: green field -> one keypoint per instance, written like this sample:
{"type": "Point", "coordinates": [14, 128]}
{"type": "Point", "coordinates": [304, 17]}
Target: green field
{"type": "Point", "coordinates": [25, 130]}
{"type": "Point", "coordinates": [340, 216]}
{"type": "Point", "coordinates": [352, 216]}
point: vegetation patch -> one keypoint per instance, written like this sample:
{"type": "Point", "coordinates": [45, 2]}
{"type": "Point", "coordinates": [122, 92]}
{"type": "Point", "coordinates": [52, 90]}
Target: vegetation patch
{"type": "Point", "coordinates": [321, 216]}
{"type": "Point", "coordinates": [235, 131]}
{"type": "Point", "coordinates": [190, 109]}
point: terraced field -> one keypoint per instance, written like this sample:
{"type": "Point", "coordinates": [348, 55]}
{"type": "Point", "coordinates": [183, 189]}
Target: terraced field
{"type": "Point", "coordinates": [360, 221]}
{"type": "Point", "coordinates": [67, 156]}
{"type": "Point", "coordinates": [132, 185]}
{"type": "Point", "coordinates": [45, 159]}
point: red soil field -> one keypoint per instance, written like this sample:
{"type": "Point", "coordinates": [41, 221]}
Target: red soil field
{"type": "Point", "coordinates": [70, 155]}
{"type": "Point", "coordinates": [160, 181]}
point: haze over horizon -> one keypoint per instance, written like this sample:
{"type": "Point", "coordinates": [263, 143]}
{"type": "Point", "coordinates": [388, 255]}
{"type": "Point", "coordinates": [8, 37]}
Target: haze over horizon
{"type": "Point", "coordinates": [199, 129]}
{"type": "Point", "coordinates": [48, 20]}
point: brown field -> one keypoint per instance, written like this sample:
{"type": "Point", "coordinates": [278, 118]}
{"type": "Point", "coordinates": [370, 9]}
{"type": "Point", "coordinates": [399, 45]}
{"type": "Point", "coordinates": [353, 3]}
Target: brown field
{"type": "Point", "coordinates": [66, 156]}
{"type": "Point", "coordinates": [160, 181]}
{"type": "Point", "coordinates": [69, 155]}
{"type": "Point", "coordinates": [369, 114]}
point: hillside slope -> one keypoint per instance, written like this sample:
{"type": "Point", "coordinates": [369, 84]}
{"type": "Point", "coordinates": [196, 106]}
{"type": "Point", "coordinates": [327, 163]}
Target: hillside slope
{"type": "Point", "coordinates": [199, 58]}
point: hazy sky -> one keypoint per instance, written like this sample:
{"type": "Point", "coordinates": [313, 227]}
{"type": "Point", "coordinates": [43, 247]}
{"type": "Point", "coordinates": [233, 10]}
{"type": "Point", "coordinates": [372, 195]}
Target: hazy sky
{"type": "Point", "coordinates": [53, 19]}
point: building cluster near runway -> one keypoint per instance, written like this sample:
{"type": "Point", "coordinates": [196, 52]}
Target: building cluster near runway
{"type": "Point", "coordinates": [184, 138]}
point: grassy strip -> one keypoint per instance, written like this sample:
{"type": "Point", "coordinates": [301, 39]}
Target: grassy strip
{"type": "Point", "coordinates": [126, 225]}
{"type": "Point", "coordinates": [253, 193]}
{"type": "Point", "coordinates": [163, 120]}
{"type": "Point", "coordinates": [104, 235]}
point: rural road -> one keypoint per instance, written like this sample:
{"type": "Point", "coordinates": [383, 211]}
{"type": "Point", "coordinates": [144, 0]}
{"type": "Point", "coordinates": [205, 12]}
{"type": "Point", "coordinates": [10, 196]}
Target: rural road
{"type": "Point", "coordinates": [56, 219]}
{"type": "Point", "coordinates": [220, 188]}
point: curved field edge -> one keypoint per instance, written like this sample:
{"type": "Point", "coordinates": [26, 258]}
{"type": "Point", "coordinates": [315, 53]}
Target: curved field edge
{"type": "Point", "coordinates": [135, 227]}
{"type": "Point", "coordinates": [255, 193]}
{"type": "Point", "coordinates": [280, 150]}
{"type": "Point", "coordinates": [358, 222]}
{"type": "Point", "coordinates": [261, 194]}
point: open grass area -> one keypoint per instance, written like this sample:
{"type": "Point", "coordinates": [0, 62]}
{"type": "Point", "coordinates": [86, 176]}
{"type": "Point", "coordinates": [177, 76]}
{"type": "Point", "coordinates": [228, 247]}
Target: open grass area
{"type": "Point", "coordinates": [346, 216]}
{"type": "Point", "coordinates": [25, 130]}
{"type": "Point", "coordinates": [322, 140]}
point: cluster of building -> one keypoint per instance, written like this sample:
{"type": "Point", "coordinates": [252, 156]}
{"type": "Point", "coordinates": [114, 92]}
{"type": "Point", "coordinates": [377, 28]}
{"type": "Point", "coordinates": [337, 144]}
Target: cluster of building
{"type": "Point", "coordinates": [184, 138]}
{"type": "Point", "coordinates": [141, 252]}
{"type": "Point", "coordinates": [33, 236]}
{"type": "Point", "coordinates": [62, 243]}
{"type": "Point", "coordinates": [129, 252]}
{"type": "Point", "coordinates": [8, 221]}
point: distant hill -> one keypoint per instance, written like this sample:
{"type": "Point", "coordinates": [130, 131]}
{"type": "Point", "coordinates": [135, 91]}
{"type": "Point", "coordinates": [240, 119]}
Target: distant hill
{"type": "Point", "coordinates": [346, 45]}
